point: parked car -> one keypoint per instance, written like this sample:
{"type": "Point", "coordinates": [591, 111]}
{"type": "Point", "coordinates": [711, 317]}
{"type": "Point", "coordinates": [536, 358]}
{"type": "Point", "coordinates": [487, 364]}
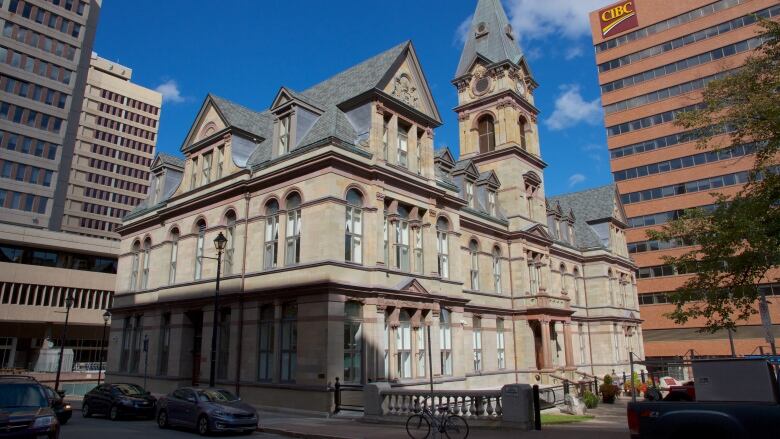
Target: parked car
{"type": "Point", "coordinates": [118, 400]}
{"type": "Point", "coordinates": [206, 410]}
{"type": "Point", "coordinates": [729, 399]}
{"type": "Point", "coordinates": [25, 410]}
{"type": "Point", "coordinates": [57, 402]}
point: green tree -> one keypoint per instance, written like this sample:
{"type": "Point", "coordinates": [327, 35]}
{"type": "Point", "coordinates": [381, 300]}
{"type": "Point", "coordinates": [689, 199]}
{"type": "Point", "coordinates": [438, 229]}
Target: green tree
{"type": "Point", "coordinates": [737, 242]}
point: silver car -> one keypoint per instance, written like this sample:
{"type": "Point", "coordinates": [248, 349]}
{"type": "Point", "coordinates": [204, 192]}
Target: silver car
{"type": "Point", "coordinates": [206, 410]}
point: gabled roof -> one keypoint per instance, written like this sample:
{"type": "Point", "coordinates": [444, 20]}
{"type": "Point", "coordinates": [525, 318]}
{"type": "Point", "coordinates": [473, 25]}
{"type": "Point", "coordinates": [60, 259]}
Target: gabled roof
{"type": "Point", "coordinates": [285, 95]}
{"type": "Point", "coordinates": [444, 155]}
{"type": "Point", "coordinates": [243, 118]}
{"type": "Point", "coordinates": [466, 167]}
{"type": "Point", "coordinates": [490, 178]}
{"type": "Point", "coordinates": [495, 44]}
{"type": "Point", "coordinates": [168, 160]}
{"type": "Point", "coordinates": [590, 206]}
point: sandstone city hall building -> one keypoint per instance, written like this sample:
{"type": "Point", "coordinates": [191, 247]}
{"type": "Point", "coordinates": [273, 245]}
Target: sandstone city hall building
{"type": "Point", "coordinates": [350, 238]}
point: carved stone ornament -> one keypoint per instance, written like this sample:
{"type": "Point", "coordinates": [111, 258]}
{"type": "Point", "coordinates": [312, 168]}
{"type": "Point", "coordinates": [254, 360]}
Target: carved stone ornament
{"type": "Point", "coordinates": [405, 90]}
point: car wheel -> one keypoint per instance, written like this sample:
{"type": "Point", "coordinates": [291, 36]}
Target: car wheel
{"type": "Point", "coordinates": [203, 426]}
{"type": "Point", "coordinates": [113, 413]}
{"type": "Point", "coordinates": [86, 410]}
{"type": "Point", "coordinates": [162, 419]}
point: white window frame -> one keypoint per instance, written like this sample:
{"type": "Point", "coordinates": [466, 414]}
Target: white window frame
{"type": "Point", "coordinates": [403, 347]}
{"type": "Point", "coordinates": [285, 125]}
{"type": "Point", "coordinates": [353, 242]}
{"type": "Point", "coordinates": [206, 172]}
{"type": "Point", "coordinates": [442, 249]}
{"type": "Point", "coordinates": [174, 257]}
{"type": "Point", "coordinates": [402, 257]}
{"type": "Point", "coordinates": [497, 271]}
{"type": "Point", "coordinates": [474, 271]}
{"type": "Point", "coordinates": [403, 147]}
{"type": "Point", "coordinates": [293, 238]}
{"type": "Point", "coordinates": [470, 194]}
{"type": "Point", "coordinates": [445, 342]}
{"type": "Point", "coordinates": [476, 333]}
{"type": "Point", "coordinates": [199, 247]}
{"type": "Point", "coordinates": [500, 344]}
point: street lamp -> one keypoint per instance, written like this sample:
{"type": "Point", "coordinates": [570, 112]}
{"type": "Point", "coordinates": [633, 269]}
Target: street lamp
{"type": "Point", "coordinates": [219, 243]}
{"type": "Point", "coordinates": [106, 318]}
{"type": "Point", "coordinates": [68, 304]}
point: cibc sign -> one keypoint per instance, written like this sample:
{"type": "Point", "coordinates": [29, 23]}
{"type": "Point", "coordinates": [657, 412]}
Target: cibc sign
{"type": "Point", "coordinates": [618, 18]}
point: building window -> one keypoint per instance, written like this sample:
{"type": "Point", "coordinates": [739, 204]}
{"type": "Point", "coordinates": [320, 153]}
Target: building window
{"type": "Point", "coordinates": [353, 344]}
{"type": "Point", "coordinates": [402, 240]}
{"type": "Point", "coordinates": [418, 151]}
{"type": "Point", "coordinates": [491, 203]}
{"type": "Point", "coordinates": [194, 174]}
{"type": "Point", "coordinates": [165, 343]}
{"type": "Point", "coordinates": [535, 276]}
{"type": "Point", "coordinates": [474, 258]}
{"type": "Point", "coordinates": [353, 238]}
{"type": "Point", "coordinates": [127, 331]}
{"type": "Point", "coordinates": [386, 238]}
{"type": "Point", "coordinates": [271, 234]}
{"type": "Point", "coordinates": [199, 249]}
{"type": "Point", "coordinates": [135, 267]}
{"type": "Point", "coordinates": [284, 135]}
{"type": "Point", "coordinates": [497, 270]}
{"type": "Point", "coordinates": [420, 351]}
{"type": "Point", "coordinates": [445, 342]}
{"type": "Point", "coordinates": [523, 134]}
{"type": "Point", "coordinates": [230, 247]}
{"type": "Point", "coordinates": [487, 134]}
{"type": "Point", "coordinates": [223, 343]}
{"type": "Point", "coordinates": [265, 347]}
{"type": "Point", "coordinates": [442, 247]}
{"type": "Point", "coordinates": [293, 230]}
{"type": "Point", "coordinates": [576, 287]}
{"type": "Point", "coordinates": [500, 346]}
{"type": "Point", "coordinates": [289, 350]}
{"type": "Point", "coordinates": [147, 257]}
{"type": "Point", "coordinates": [138, 339]}
{"type": "Point", "coordinates": [174, 256]}
{"type": "Point", "coordinates": [403, 346]}
{"type": "Point", "coordinates": [470, 194]}
{"type": "Point", "coordinates": [403, 146]}
{"type": "Point", "coordinates": [418, 250]}
{"type": "Point", "coordinates": [616, 340]}
{"type": "Point", "coordinates": [385, 137]}
{"type": "Point", "coordinates": [220, 161]}
{"type": "Point", "coordinates": [206, 176]}
{"type": "Point", "coordinates": [477, 340]}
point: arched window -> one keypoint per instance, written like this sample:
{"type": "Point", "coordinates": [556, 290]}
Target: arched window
{"type": "Point", "coordinates": [474, 258]}
{"type": "Point", "coordinates": [174, 256]}
{"type": "Point", "coordinates": [230, 247]}
{"type": "Point", "coordinates": [442, 247]}
{"type": "Point", "coordinates": [353, 238]}
{"type": "Point", "coordinates": [265, 351]}
{"type": "Point", "coordinates": [136, 264]}
{"type": "Point", "coordinates": [445, 342]}
{"type": "Point", "coordinates": [576, 296]}
{"type": "Point", "coordinates": [487, 134]}
{"type": "Point", "coordinates": [523, 133]}
{"type": "Point", "coordinates": [500, 345]}
{"type": "Point", "coordinates": [562, 273]}
{"type": "Point", "coordinates": [271, 234]}
{"type": "Point", "coordinates": [199, 247]}
{"type": "Point", "coordinates": [353, 343]}
{"type": "Point", "coordinates": [611, 280]}
{"type": "Point", "coordinates": [402, 240]}
{"type": "Point", "coordinates": [147, 255]}
{"type": "Point", "coordinates": [293, 230]}
{"type": "Point", "coordinates": [403, 345]}
{"type": "Point", "coordinates": [497, 270]}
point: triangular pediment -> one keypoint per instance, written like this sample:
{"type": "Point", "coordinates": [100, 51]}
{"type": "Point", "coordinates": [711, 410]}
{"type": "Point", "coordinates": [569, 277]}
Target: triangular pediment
{"type": "Point", "coordinates": [445, 156]}
{"type": "Point", "coordinates": [208, 121]}
{"type": "Point", "coordinates": [538, 230]}
{"type": "Point", "coordinates": [490, 178]}
{"type": "Point", "coordinates": [468, 168]}
{"type": "Point", "coordinates": [405, 82]}
{"type": "Point", "coordinates": [618, 212]}
{"type": "Point", "coordinates": [285, 97]}
{"type": "Point", "coordinates": [413, 286]}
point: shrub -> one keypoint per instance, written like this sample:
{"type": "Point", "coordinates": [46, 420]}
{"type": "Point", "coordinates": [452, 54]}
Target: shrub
{"type": "Point", "coordinates": [607, 379]}
{"type": "Point", "coordinates": [591, 401]}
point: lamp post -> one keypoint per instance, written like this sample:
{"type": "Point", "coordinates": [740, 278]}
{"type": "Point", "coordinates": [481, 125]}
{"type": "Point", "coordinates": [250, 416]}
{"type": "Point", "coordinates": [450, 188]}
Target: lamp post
{"type": "Point", "coordinates": [106, 318]}
{"type": "Point", "coordinates": [68, 304]}
{"type": "Point", "coordinates": [219, 243]}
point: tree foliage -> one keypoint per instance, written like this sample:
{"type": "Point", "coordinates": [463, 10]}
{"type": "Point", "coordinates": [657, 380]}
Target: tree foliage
{"type": "Point", "coordinates": [738, 242]}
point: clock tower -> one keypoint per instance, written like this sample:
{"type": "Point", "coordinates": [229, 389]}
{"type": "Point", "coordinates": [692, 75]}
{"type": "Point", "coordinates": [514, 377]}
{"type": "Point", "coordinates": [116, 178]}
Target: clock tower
{"type": "Point", "coordinates": [497, 119]}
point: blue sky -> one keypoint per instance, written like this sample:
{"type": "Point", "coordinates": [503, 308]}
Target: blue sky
{"type": "Point", "coordinates": [244, 50]}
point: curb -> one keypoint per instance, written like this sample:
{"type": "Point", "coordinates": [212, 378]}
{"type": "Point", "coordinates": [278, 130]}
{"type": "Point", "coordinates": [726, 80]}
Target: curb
{"type": "Point", "coordinates": [289, 433]}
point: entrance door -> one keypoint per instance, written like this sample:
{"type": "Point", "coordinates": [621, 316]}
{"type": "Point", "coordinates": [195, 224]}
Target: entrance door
{"type": "Point", "coordinates": [537, 330]}
{"type": "Point", "coordinates": [196, 319]}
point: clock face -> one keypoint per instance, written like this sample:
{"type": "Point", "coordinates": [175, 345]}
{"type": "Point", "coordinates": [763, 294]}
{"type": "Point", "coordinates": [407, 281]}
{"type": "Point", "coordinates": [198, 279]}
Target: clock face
{"type": "Point", "coordinates": [521, 88]}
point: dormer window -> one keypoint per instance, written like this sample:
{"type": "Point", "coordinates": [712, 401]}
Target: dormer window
{"type": "Point", "coordinates": [284, 134]}
{"type": "Point", "coordinates": [470, 194]}
{"type": "Point", "coordinates": [220, 161]}
{"type": "Point", "coordinates": [491, 203]}
{"type": "Point", "coordinates": [206, 179]}
{"type": "Point", "coordinates": [194, 174]}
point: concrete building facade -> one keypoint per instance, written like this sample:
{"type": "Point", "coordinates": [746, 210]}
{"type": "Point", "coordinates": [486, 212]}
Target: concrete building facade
{"type": "Point", "coordinates": [654, 59]}
{"type": "Point", "coordinates": [355, 250]}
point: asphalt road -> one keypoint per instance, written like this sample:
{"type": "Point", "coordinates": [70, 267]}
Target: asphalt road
{"type": "Point", "coordinates": [101, 428]}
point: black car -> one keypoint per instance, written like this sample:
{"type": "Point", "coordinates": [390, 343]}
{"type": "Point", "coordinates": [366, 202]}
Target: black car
{"type": "Point", "coordinates": [57, 402]}
{"type": "Point", "coordinates": [118, 400]}
{"type": "Point", "coordinates": [25, 410]}
{"type": "Point", "coordinates": [206, 410]}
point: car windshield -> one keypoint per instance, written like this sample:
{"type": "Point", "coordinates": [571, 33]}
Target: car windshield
{"type": "Point", "coordinates": [216, 396]}
{"type": "Point", "coordinates": [21, 395]}
{"type": "Point", "coordinates": [130, 389]}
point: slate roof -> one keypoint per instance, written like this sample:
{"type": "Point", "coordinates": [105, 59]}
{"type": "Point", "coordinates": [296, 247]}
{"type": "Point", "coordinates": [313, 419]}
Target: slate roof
{"type": "Point", "coordinates": [257, 123]}
{"type": "Point", "coordinates": [496, 46]}
{"type": "Point", "coordinates": [589, 206]}
{"type": "Point", "coordinates": [170, 160]}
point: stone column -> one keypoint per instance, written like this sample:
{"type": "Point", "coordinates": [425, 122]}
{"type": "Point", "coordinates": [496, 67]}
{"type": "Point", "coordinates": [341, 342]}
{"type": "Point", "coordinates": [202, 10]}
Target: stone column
{"type": "Point", "coordinates": [567, 344]}
{"type": "Point", "coordinates": [546, 354]}
{"type": "Point", "coordinates": [380, 342]}
{"type": "Point", "coordinates": [459, 343]}
{"type": "Point", "coordinates": [392, 351]}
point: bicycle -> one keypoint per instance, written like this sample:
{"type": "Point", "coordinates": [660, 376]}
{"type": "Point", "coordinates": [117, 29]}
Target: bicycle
{"type": "Point", "coordinates": [418, 426]}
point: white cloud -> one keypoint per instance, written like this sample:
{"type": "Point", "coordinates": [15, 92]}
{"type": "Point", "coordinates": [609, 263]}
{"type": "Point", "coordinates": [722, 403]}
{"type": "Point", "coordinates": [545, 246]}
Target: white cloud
{"type": "Point", "coordinates": [534, 19]}
{"type": "Point", "coordinates": [573, 52]}
{"type": "Point", "coordinates": [571, 109]}
{"type": "Point", "coordinates": [576, 179]}
{"type": "Point", "coordinates": [462, 33]}
{"type": "Point", "coordinates": [170, 91]}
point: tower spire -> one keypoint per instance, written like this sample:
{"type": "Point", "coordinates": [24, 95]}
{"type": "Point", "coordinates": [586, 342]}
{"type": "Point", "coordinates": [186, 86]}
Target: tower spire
{"type": "Point", "coordinates": [490, 36]}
